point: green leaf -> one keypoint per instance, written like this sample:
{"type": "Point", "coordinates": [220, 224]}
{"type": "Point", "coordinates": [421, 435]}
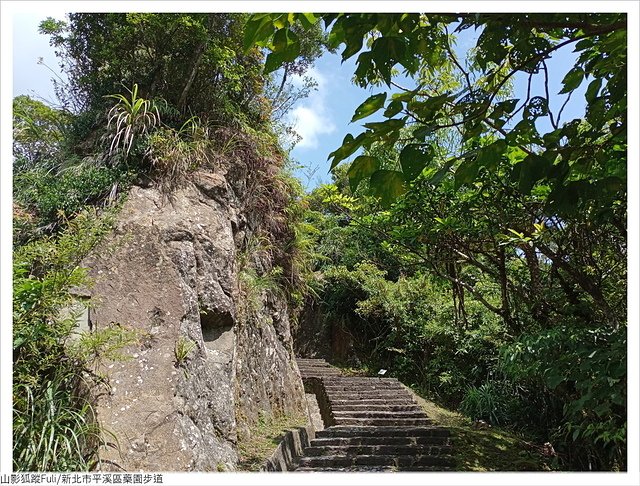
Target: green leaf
{"type": "Point", "coordinates": [466, 172]}
{"type": "Point", "coordinates": [386, 52]}
{"type": "Point", "coordinates": [388, 185]}
{"type": "Point", "coordinates": [361, 168]}
{"type": "Point", "coordinates": [592, 90]}
{"type": "Point", "coordinates": [370, 106]}
{"type": "Point", "coordinates": [257, 30]}
{"type": "Point", "coordinates": [572, 80]}
{"type": "Point", "coordinates": [532, 169]}
{"type": "Point", "coordinates": [554, 380]}
{"type": "Point", "coordinates": [286, 48]}
{"type": "Point", "coordinates": [286, 40]}
{"type": "Point", "coordinates": [348, 147]}
{"type": "Point", "coordinates": [405, 96]}
{"type": "Point", "coordinates": [503, 107]}
{"type": "Point", "coordinates": [393, 108]}
{"type": "Point", "coordinates": [538, 106]}
{"type": "Point", "coordinates": [274, 61]}
{"type": "Point", "coordinates": [490, 155]}
{"type": "Point", "coordinates": [336, 36]}
{"type": "Point", "coordinates": [442, 172]}
{"type": "Point", "coordinates": [413, 159]}
{"type": "Point", "coordinates": [382, 128]}
{"type": "Point", "coordinates": [307, 19]}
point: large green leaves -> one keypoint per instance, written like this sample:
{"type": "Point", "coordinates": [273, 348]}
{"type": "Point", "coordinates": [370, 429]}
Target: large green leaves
{"type": "Point", "coordinates": [450, 102]}
{"type": "Point", "coordinates": [361, 168]}
{"type": "Point", "coordinates": [414, 158]}
{"type": "Point", "coordinates": [348, 147]}
{"type": "Point", "coordinates": [387, 185]}
{"type": "Point", "coordinates": [286, 48]}
{"type": "Point", "coordinates": [369, 106]}
{"type": "Point", "coordinates": [532, 169]}
{"type": "Point", "coordinates": [572, 80]}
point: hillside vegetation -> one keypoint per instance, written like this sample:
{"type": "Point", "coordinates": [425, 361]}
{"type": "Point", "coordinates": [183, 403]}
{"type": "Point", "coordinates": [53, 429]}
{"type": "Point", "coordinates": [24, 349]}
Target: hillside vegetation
{"type": "Point", "coordinates": [473, 241]}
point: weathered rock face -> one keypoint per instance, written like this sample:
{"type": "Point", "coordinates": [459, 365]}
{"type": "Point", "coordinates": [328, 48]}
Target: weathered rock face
{"type": "Point", "coordinates": [318, 335]}
{"type": "Point", "coordinates": [169, 270]}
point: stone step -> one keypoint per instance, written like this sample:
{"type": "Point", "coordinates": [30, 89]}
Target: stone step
{"type": "Point", "coordinates": [306, 376]}
{"type": "Point", "coordinates": [376, 460]}
{"type": "Point", "coordinates": [372, 387]}
{"type": "Point", "coordinates": [382, 440]}
{"type": "Point", "coordinates": [366, 379]}
{"type": "Point", "coordinates": [348, 469]}
{"type": "Point", "coordinates": [371, 395]}
{"type": "Point", "coordinates": [383, 421]}
{"type": "Point", "coordinates": [387, 431]}
{"type": "Point", "coordinates": [372, 401]}
{"type": "Point", "coordinates": [318, 367]}
{"type": "Point", "coordinates": [370, 450]}
{"type": "Point", "coordinates": [318, 373]}
{"type": "Point", "coordinates": [338, 414]}
{"type": "Point", "coordinates": [382, 392]}
{"type": "Point", "coordinates": [376, 407]}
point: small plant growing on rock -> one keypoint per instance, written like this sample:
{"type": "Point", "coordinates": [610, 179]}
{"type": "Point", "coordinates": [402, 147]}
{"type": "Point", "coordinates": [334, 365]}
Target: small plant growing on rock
{"type": "Point", "coordinates": [183, 348]}
{"type": "Point", "coordinates": [130, 117]}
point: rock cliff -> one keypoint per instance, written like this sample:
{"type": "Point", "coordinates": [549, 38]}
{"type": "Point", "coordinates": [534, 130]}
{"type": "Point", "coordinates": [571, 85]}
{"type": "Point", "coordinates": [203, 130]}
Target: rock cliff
{"type": "Point", "coordinates": [207, 364]}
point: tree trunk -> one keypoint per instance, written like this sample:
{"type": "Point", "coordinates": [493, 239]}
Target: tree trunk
{"type": "Point", "coordinates": [182, 102]}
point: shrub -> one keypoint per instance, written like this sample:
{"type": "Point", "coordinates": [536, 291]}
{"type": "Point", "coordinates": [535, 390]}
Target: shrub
{"type": "Point", "coordinates": [54, 427]}
{"type": "Point", "coordinates": [50, 197]}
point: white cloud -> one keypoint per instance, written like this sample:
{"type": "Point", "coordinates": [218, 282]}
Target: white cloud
{"type": "Point", "coordinates": [311, 118]}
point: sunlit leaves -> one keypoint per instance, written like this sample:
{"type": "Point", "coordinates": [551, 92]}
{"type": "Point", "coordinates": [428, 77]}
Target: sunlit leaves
{"type": "Point", "coordinates": [572, 80]}
{"type": "Point", "coordinates": [477, 108]}
{"type": "Point", "coordinates": [348, 147]}
{"type": "Point", "coordinates": [369, 106]}
{"type": "Point", "coordinates": [257, 31]}
{"type": "Point", "coordinates": [393, 108]}
{"type": "Point", "coordinates": [388, 185]}
{"type": "Point", "coordinates": [286, 48]}
{"type": "Point", "coordinates": [361, 168]}
{"type": "Point", "coordinates": [132, 116]}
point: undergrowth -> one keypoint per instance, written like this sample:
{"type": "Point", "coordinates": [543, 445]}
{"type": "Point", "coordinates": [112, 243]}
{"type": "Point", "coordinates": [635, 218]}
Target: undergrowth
{"type": "Point", "coordinates": [263, 438]}
{"type": "Point", "coordinates": [54, 426]}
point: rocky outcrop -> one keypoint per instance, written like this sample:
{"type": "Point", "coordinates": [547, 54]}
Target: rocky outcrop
{"type": "Point", "coordinates": [205, 367]}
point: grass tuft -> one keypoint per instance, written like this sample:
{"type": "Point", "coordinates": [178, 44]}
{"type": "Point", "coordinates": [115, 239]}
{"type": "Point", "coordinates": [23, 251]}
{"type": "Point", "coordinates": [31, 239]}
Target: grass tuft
{"type": "Point", "coordinates": [263, 438]}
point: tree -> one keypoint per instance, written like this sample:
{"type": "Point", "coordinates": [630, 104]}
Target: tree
{"type": "Point", "coordinates": [193, 61]}
{"type": "Point", "coordinates": [526, 218]}
{"type": "Point", "coordinates": [583, 160]}
{"type": "Point", "coordinates": [37, 133]}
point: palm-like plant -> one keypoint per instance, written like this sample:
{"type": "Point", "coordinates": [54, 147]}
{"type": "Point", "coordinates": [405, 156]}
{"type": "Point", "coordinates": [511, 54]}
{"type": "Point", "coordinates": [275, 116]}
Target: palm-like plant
{"type": "Point", "coordinates": [130, 117]}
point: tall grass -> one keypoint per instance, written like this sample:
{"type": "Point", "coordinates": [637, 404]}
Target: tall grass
{"type": "Point", "coordinates": [53, 426]}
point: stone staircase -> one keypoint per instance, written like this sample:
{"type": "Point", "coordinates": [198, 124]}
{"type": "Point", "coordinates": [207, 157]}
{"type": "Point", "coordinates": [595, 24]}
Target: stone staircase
{"type": "Point", "coordinates": [374, 424]}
